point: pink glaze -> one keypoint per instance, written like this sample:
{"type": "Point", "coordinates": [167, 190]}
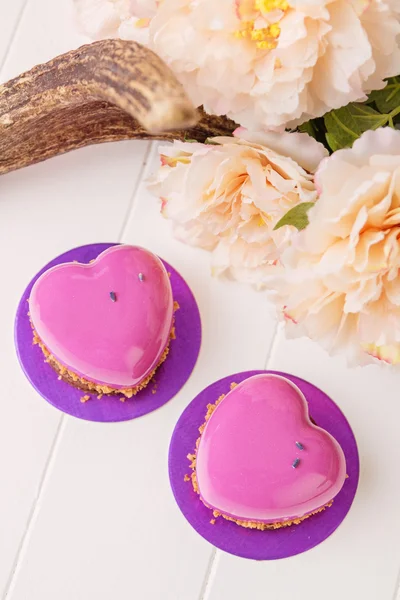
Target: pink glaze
{"type": "Point", "coordinates": [116, 343]}
{"type": "Point", "coordinates": [246, 452]}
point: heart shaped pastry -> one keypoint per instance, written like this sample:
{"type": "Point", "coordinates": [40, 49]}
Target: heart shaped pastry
{"type": "Point", "coordinates": [105, 326]}
{"type": "Point", "coordinates": [260, 461]}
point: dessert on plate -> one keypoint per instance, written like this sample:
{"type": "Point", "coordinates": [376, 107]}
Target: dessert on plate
{"type": "Point", "coordinates": [260, 461]}
{"type": "Point", "coordinates": [105, 327]}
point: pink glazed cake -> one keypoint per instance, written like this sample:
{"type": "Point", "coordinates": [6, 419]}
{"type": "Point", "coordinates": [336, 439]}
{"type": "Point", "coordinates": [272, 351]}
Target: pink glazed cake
{"type": "Point", "coordinates": [105, 326]}
{"type": "Point", "coordinates": [260, 461]}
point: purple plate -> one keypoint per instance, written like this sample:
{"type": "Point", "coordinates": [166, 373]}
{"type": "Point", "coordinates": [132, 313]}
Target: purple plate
{"type": "Point", "coordinates": [168, 380]}
{"type": "Point", "coordinates": [252, 543]}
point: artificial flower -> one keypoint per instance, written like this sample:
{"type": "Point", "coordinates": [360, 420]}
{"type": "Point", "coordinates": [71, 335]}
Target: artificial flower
{"type": "Point", "coordinates": [274, 63]}
{"type": "Point", "coordinates": [340, 281]}
{"type": "Point", "coordinates": [227, 196]}
{"type": "Point", "coordinates": [127, 19]}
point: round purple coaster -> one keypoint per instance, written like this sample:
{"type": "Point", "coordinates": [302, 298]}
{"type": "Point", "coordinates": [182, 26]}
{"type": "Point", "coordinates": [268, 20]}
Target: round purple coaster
{"type": "Point", "coordinates": [252, 543]}
{"type": "Point", "coordinates": [169, 377]}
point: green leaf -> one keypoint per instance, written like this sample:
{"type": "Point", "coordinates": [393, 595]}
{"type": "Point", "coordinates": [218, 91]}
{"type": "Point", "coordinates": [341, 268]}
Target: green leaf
{"type": "Point", "coordinates": [296, 216]}
{"type": "Point", "coordinates": [332, 141]}
{"type": "Point", "coordinates": [316, 128]}
{"type": "Point", "coordinates": [346, 124]}
{"type": "Point", "coordinates": [387, 99]}
{"type": "Point", "coordinates": [308, 128]}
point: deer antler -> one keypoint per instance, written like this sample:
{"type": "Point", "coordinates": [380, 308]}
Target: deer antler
{"type": "Point", "coordinates": [106, 91]}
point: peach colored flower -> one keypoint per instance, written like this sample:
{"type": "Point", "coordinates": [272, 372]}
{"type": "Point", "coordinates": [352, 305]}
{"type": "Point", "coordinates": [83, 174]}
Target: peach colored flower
{"type": "Point", "coordinates": [273, 63]}
{"type": "Point", "coordinates": [340, 283]}
{"type": "Point", "coordinates": [228, 195]}
{"type": "Point", "coordinates": [127, 19]}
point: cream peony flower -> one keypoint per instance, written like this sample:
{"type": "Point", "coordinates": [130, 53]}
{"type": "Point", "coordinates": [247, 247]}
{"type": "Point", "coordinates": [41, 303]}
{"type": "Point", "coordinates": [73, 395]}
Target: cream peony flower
{"type": "Point", "coordinates": [273, 63]}
{"type": "Point", "coordinates": [127, 19]}
{"type": "Point", "coordinates": [340, 283]}
{"type": "Point", "coordinates": [228, 195]}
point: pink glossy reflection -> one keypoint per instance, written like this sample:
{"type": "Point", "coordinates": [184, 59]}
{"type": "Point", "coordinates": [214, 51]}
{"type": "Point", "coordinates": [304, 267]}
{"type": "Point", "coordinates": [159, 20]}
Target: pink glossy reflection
{"type": "Point", "coordinates": [247, 451]}
{"type": "Point", "coordinates": [113, 342]}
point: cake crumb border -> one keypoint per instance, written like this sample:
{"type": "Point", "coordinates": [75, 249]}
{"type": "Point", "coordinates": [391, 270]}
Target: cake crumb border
{"type": "Point", "coordinates": [90, 386]}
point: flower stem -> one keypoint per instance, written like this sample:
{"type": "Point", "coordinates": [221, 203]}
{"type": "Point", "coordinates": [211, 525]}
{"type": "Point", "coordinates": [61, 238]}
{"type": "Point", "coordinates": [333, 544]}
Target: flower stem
{"type": "Point", "coordinates": [394, 113]}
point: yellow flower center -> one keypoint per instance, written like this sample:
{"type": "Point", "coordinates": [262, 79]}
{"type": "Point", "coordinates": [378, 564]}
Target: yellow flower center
{"type": "Point", "coordinates": [172, 161]}
{"type": "Point", "coordinates": [268, 5]}
{"type": "Point", "coordinates": [142, 23]}
{"type": "Point", "coordinates": [266, 38]}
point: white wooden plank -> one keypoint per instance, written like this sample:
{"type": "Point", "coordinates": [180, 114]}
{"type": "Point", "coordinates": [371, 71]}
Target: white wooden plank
{"type": "Point", "coordinates": [108, 526]}
{"type": "Point", "coordinates": [46, 29]}
{"type": "Point", "coordinates": [44, 210]}
{"type": "Point", "coordinates": [10, 13]}
{"type": "Point", "coordinates": [361, 559]}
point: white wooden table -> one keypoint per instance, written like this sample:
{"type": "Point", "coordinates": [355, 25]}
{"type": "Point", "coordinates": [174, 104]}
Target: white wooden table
{"type": "Point", "coordinates": [86, 511]}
